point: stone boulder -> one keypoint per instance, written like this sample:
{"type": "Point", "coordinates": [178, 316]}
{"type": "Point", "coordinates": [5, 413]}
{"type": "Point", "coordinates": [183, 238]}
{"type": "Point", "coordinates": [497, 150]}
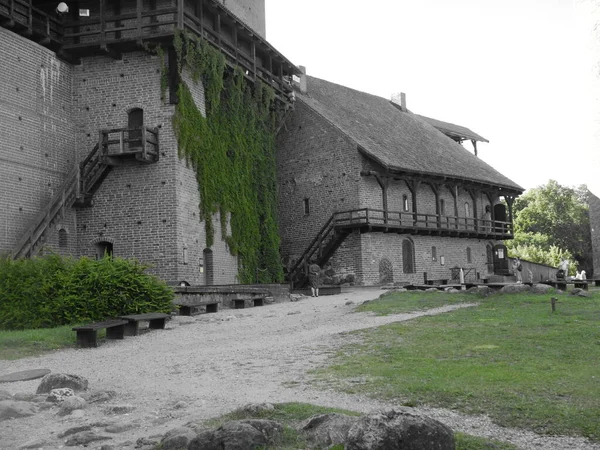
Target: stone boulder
{"type": "Point", "coordinates": [177, 438]}
{"type": "Point", "coordinates": [11, 409]}
{"type": "Point", "coordinates": [388, 430]}
{"type": "Point", "coordinates": [62, 380]}
{"type": "Point", "coordinates": [540, 288]}
{"type": "Point", "coordinates": [580, 292]}
{"type": "Point", "coordinates": [71, 404]}
{"type": "Point", "coordinates": [236, 435]}
{"type": "Point", "coordinates": [514, 288]}
{"type": "Point", "coordinates": [399, 430]}
{"type": "Point", "coordinates": [59, 395]}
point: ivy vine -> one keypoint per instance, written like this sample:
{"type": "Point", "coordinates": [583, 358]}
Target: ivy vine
{"type": "Point", "coordinates": [232, 151]}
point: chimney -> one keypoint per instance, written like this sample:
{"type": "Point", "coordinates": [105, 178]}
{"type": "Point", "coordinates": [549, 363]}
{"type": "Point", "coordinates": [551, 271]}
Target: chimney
{"type": "Point", "coordinates": [399, 101]}
{"type": "Point", "coordinates": [302, 83]}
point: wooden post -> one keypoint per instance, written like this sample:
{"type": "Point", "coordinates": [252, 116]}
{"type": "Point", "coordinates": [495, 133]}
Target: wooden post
{"type": "Point", "coordinates": [553, 302]}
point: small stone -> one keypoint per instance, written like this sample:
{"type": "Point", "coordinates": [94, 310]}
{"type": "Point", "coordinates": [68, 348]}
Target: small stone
{"type": "Point", "coordinates": [120, 428]}
{"type": "Point", "coordinates": [71, 404]}
{"type": "Point", "coordinates": [59, 395]}
{"type": "Point", "coordinates": [120, 409]}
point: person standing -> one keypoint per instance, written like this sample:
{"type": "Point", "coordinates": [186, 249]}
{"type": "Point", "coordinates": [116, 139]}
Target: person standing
{"type": "Point", "coordinates": [313, 277]}
{"type": "Point", "coordinates": [518, 270]}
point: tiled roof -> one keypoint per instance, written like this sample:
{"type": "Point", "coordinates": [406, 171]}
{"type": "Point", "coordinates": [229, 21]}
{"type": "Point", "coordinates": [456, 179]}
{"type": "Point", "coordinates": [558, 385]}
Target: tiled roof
{"type": "Point", "coordinates": [400, 141]}
{"type": "Point", "coordinates": [451, 130]}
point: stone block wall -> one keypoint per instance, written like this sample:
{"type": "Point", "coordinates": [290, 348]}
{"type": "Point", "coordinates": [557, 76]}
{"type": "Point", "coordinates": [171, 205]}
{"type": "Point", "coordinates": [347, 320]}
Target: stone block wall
{"type": "Point", "coordinates": [37, 147]}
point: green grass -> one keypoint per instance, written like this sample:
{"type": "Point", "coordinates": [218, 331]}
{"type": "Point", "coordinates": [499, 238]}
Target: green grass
{"type": "Point", "coordinates": [409, 301]}
{"type": "Point", "coordinates": [22, 344]}
{"type": "Point", "coordinates": [510, 358]}
{"type": "Point", "coordinates": [290, 415]}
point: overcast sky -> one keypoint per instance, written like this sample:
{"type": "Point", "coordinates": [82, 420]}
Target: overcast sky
{"type": "Point", "coordinates": [521, 73]}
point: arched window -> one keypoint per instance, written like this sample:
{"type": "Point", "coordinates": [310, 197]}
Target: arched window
{"type": "Point", "coordinates": [469, 257]}
{"type": "Point", "coordinates": [63, 238]}
{"type": "Point", "coordinates": [135, 122]}
{"type": "Point", "coordinates": [433, 254]}
{"type": "Point", "coordinates": [408, 256]}
{"type": "Point", "coordinates": [405, 203]}
{"type": "Point", "coordinates": [467, 210]}
{"type": "Point", "coordinates": [209, 269]}
{"type": "Point", "coordinates": [104, 249]}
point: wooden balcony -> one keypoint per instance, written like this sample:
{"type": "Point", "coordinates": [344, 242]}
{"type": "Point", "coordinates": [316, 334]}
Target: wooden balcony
{"type": "Point", "coordinates": [368, 219]}
{"type": "Point", "coordinates": [122, 146]}
{"type": "Point", "coordinates": [115, 27]}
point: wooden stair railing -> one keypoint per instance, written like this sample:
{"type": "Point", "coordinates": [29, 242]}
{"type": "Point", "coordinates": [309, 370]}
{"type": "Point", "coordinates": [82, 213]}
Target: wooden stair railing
{"type": "Point", "coordinates": [321, 248]}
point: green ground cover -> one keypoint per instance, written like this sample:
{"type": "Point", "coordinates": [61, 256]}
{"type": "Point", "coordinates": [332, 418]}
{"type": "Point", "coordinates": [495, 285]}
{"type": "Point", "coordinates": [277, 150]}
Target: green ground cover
{"type": "Point", "coordinates": [511, 358]}
{"type": "Point", "coordinates": [25, 343]}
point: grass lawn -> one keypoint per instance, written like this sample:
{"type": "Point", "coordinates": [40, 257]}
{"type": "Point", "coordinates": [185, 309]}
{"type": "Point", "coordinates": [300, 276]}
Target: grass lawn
{"type": "Point", "coordinates": [21, 344]}
{"type": "Point", "coordinates": [510, 358]}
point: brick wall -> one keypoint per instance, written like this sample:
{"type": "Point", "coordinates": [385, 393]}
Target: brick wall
{"type": "Point", "coordinates": [317, 163]}
{"type": "Point", "coordinates": [37, 145]}
{"type": "Point", "coordinates": [594, 203]}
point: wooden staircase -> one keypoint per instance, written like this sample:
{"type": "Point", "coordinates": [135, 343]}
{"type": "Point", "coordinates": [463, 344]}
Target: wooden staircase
{"type": "Point", "coordinates": [85, 178]}
{"type": "Point", "coordinates": [321, 249]}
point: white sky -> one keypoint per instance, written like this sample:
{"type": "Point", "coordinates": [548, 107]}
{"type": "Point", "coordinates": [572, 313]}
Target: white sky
{"type": "Point", "coordinates": [524, 74]}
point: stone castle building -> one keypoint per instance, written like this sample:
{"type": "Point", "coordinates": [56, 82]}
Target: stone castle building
{"type": "Point", "coordinates": [89, 160]}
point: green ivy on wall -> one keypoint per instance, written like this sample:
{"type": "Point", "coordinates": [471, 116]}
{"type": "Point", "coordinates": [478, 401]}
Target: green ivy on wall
{"type": "Point", "coordinates": [232, 150]}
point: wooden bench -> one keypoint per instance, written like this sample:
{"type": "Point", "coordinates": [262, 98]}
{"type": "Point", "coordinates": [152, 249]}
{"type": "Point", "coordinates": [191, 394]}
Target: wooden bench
{"type": "Point", "coordinates": [561, 285]}
{"type": "Point", "coordinates": [438, 282]}
{"type": "Point", "coordinates": [212, 306]}
{"type": "Point", "coordinates": [582, 284]}
{"type": "Point", "coordinates": [240, 303]}
{"type": "Point", "coordinates": [87, 335]}
{"type": "Point", "coordinates": [156, 321]}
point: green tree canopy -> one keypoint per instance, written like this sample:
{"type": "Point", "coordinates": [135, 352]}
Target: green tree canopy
{"type": "Point", "coordinates": [552, 222]}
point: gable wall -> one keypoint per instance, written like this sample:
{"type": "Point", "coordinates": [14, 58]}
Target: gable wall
{"type": "Point", "coordinates": [315, 161]}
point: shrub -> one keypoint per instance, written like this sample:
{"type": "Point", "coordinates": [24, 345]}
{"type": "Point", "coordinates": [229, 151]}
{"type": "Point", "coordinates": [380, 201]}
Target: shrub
{"type": "Point", "coordinates": [52, 291]}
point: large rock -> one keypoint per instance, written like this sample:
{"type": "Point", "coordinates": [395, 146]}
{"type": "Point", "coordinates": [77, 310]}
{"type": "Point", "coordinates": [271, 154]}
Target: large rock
{"type": "Point", "coordinates": [177, 438]}
{"type": "Point", "coordinates": [399, 430]}
{"type": "Point", "coordinates": [10, 409]}
{"type": "Point", "coordinates": [514, 288]}
{"type": "Point", "coordinates": [328, 429]}
{"type": "Point", "coordinates": [389, 430]}
{"type": "Point", "coordinates": [540, 288]}
{"type": "Point", "coordinates": [234, 435]}
{"type": "Point", "coordinates": [71, 404]}
{"type": "Point", "coordinates": [62, 380]}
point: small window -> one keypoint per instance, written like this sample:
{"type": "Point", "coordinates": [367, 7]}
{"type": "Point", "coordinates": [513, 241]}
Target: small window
{"type": "Point", "coordinates": [306, 206]}
{"type": "Point", "coordinates": [433, 254]}
{"type": "Point", "coordinates": [469, 259]}
{"type": "Point", "coordinates": [467, 210]}
{"type": "Point", "coordinates": [63, 240]}
{"type": "Point", "coordinates": [442, 207]}
{"type": "Point", "coordinates": [405, 202]}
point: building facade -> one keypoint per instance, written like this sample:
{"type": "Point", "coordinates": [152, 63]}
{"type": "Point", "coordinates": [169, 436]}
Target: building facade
{"type": "Point", "coordinates": [379, 195]}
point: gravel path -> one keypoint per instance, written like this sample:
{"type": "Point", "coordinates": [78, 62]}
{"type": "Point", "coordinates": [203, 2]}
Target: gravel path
{"type": "Point", "coordinates": [203, 366]}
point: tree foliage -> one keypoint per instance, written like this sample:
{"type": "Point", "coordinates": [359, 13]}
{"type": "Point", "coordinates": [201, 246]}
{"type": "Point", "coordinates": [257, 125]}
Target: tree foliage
{"type": "Point", "coordinates": [551, 222]}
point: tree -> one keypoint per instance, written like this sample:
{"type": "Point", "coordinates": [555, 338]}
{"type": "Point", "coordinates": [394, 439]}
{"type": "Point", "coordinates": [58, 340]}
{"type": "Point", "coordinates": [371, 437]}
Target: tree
{"type": "Point", "coordinates": [552, 222]}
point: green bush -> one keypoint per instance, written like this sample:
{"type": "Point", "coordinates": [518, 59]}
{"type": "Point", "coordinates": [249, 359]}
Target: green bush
{"type": "Point", "coordinates": [52, 291]}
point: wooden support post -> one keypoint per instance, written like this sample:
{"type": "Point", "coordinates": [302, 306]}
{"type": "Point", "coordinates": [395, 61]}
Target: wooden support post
{"type": "Point", "coordinates": [553, 303]}
{"type": "Point", "coordinates": [180, 14]}
{"type": "Point", "coordinates": [139, 9]}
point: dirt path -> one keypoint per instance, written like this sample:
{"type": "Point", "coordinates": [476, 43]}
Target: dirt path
{"type": "Point", "coordinates": [203, 366]}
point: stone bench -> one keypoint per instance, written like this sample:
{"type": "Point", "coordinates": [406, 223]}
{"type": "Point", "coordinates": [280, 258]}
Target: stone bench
{"type": "Point", "coordinates": [240, 303]}
{"type": "Point", "coordinates": [212, 306]}
{"type": "Point", "coordinates": [156, 321]}
{"type": "Point", "coordinates": [87, 335]}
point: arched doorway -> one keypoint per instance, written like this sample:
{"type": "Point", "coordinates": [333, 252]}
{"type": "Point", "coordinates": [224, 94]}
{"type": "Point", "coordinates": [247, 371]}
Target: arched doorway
{"type": "Point", "coordinates": [408, 256]}
{"type": "Point", "coordinates": [135, 122]}
{"type": "Point", "coordinates": [386, 271]}
{"type": "Point", "coordinates": [501, 260]}
{"type": "Point", "coordinates": [103, 249]}
{"type": "Point", "coordinates": [208, 266]}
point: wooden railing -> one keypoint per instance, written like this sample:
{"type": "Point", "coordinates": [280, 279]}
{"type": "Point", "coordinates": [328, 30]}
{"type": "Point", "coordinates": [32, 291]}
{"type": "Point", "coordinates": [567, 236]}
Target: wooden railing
{"type": "Point", "coordinates": [21, 13]}
{"type": "Point", "coordinates": [121, 142]}
{"type": "Point", "coordinates": [340, 224]}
